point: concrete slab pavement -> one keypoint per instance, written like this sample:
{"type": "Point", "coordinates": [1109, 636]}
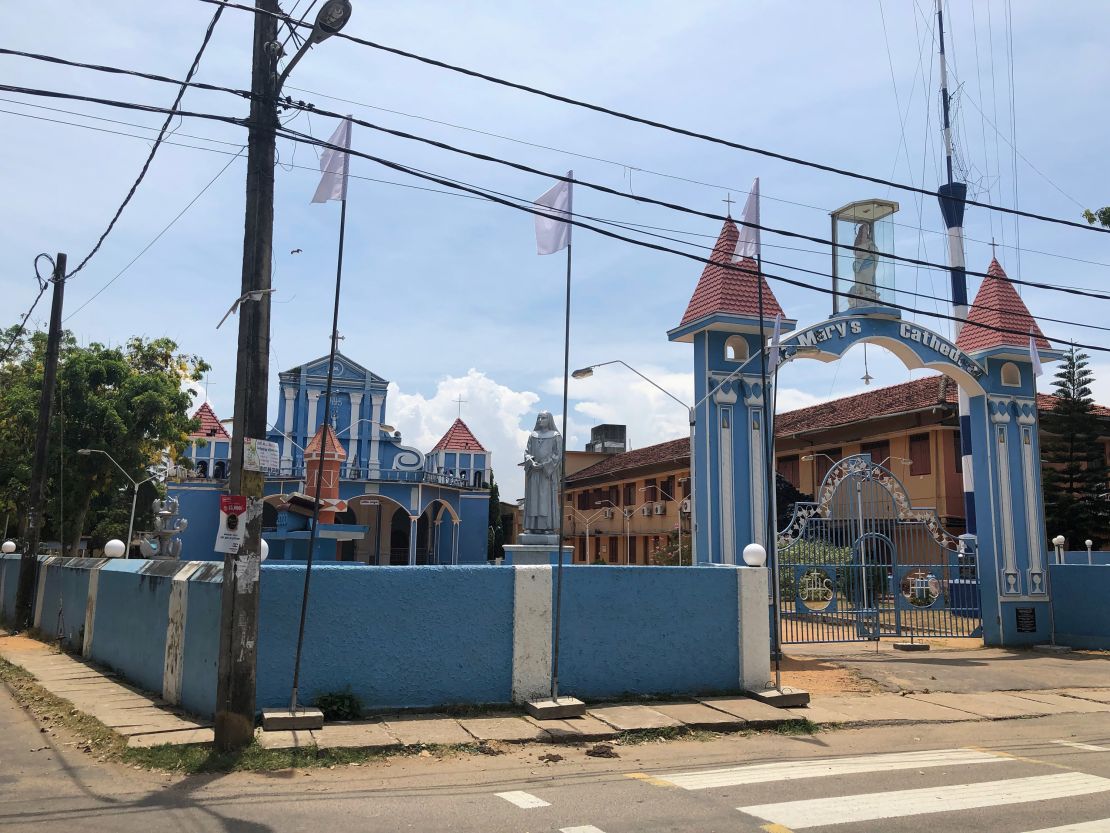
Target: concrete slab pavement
{"type": "Point", "coordinates": [508, 729]}
{"type": "Point", "coordinates": [991, 705]}
{"type": "Point", "coordinates": [756, 715]}
{"type": "Point", "coordinates": [701, 716]}
{"type": "Point", "coordinates": [633, 718]}
{"type": "Point", "coordinates": [429, 729]}
{"type": "Point", "coordinates": [574, 729]}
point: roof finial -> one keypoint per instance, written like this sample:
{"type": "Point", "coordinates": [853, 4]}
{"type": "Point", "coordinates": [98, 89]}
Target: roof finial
{"type": "Point", "coordinates": [994, 250]}
{"type": "Point", "coordinates": [460, 402]}
{"type": "Point", "coordinates": [728, 200]}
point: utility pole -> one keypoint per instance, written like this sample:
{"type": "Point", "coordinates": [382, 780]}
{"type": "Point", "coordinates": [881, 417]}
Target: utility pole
{"type": "Point", "coordinates": [235, 689]}
{"type": "Point", "coordinates": [32, 531]}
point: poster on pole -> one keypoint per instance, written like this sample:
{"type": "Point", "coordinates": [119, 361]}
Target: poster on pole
{"type": "Point", "coordinates": [260, 455]}
{"type": "Point", "coordinates": [233, 523]}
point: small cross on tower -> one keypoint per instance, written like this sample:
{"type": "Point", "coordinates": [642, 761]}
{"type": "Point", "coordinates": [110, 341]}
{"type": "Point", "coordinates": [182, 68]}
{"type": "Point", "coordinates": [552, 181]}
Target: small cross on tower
{"type": "Point", "coordinates": [728, 200]}
{"type": "Point", "coordinates": [460, 402]}
{"type": "Point", "coordinates": [994, 251]}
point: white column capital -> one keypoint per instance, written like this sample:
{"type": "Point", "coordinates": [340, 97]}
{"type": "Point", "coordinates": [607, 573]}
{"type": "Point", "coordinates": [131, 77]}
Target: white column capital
{"type": "Point", "coordinates": [313, 395]}
{"type": "Point", "coordinates": [290, 394]}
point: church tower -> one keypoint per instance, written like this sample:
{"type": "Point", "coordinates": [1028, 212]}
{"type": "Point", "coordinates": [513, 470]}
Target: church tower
{"type": "Point", "coordinates": [323, 457]}
{"type": "Point", "coordinates": [730, 446]}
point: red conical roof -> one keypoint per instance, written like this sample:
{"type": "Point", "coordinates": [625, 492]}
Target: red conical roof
{"type": "Point", "coordinates": [210, 426]}
{"type": "Point", "coordinates": [333, 444]}
{"type": "Point", "coordinates": [458, 438]}
{"type": "Point", "coordinates": [732, 291]}
{"type": "Point", "coordinates": [998, 305]}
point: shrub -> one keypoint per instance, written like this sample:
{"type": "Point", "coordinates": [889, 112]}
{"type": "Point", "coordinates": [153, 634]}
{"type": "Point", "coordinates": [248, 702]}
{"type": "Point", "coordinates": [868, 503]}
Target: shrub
{"type": "Point", "coordinates": [340, 705]}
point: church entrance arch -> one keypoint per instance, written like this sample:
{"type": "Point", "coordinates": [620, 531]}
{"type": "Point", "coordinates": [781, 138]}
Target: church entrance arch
{"type": "Point", "coordinates": [376, 512]}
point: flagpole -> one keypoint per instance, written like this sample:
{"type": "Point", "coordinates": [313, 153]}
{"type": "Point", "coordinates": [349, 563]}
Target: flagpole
{"type": "Point", "coordinates": [323, 454]}
{"type": "Point", "coordinates": [562, 493]}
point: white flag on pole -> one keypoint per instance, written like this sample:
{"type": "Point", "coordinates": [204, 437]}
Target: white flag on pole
{"type": "Point", "coordinates": [335, 164]}
{"type": "Point", "coordinates": [747, 245]}
{"type": "Point", "coordinates": [773, 360]}
{"type": "Point", "coordinates": [554, 235]}
{"type": "Point", "coordinates": [1035, 357]}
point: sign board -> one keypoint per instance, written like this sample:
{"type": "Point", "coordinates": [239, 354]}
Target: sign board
{"type": "Point", "coordinates": [1026, 619]}
{"type": "Point", "coordinates": [233, 523]}
{"type": "Point", "coordinates": [260, 455]}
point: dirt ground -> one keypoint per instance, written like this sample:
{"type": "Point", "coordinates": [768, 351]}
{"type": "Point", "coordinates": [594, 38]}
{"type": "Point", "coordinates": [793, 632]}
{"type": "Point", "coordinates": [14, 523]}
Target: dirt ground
{"type": "Point", "coordinates": [820, 676]}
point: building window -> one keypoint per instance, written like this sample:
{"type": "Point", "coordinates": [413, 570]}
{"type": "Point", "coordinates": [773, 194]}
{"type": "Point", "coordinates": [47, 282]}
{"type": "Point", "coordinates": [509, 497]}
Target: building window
{"type": "Point", "coordinates": [1011, 375]}
{"type": "Point", "coordinates": [580, 550]}
{"type": "Point", "coordinates": [584, 499]}
{"type": "Point", "coordinates": [614, 495]}
{"type": "Point", "coordinates": [920, 455]}
{"type": "Point", "coordinates": [686, 481]}
{"type": "Point", "coordinates": [629, 490]}
{"type": "Point", "coordinates": [631, 549]}
{"type": "Point", "coordinates": [736, 349]}
{"type": "Point", "coordinates": [667, 492]}
{"type": "Point", "coordinates": [597, 548]}
{"type": "Point", "coordinates": [650, 489]}
{"type": "Point", "coordinates": [880, 451]}
{"type": "Point", "coordinates": [613, 550]}
{"type": "Point", "coordinates": [790, 469]}
{"type": "Point", "coordinates": [825, 460]}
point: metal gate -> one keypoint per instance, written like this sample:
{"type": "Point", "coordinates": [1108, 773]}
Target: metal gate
{"type": "Point", "coordinates": [861, 563]}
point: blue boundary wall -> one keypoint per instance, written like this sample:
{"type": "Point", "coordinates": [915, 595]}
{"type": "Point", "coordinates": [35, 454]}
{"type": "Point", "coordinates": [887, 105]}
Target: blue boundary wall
{"type": "Point", "coordinates": [419, 637]}
{"type": "Point", "coordinates": [9, 584]}
{"type": "Point", "coordinates": [1080, 613]}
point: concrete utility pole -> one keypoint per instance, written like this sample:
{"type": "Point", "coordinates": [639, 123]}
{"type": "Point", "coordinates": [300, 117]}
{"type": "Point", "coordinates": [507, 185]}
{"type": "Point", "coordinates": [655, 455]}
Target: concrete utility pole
{"type": "Point", "coordinates": [235, 705]}
{"type": "Point", "coordinates": [32, 531]}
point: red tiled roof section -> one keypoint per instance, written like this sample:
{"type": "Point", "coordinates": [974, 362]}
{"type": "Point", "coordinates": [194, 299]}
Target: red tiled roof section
{"type": "Point", "coordinates": [730, 291]}
{"type": "Point", "coordinates": [1047, 401]}
{"type": "Point", "coordinates": [672, 451]}
{"type": "Point", "coordinates": [210, 427]}
{"type": "Point", "coordinates": [915, 395]}
{"type": "Point", "coordinates": [459, 437]}
{"type": "Point", "coordinates": [997, 305]}
{"type": "Point", "coordinates": [333, 444]}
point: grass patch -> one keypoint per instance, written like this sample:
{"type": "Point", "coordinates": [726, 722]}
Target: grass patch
{"type": "Point", "coordinates": [797, 727]}
{"type": "Point", "coordinates": [638, 736]}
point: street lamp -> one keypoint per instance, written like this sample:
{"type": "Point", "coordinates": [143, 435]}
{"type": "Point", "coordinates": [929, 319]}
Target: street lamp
{"type": "Point", "coordinates": [330, 19]}
{"type": "Point", "coordinates": [587, 521]}
{"type": "Point", "coordinates": [135, 485]}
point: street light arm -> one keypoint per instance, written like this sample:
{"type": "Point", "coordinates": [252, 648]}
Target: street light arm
{"type": "Point", "coordinates": [117, 465]}
{"type": "Point", "coordinates": [638, 373]}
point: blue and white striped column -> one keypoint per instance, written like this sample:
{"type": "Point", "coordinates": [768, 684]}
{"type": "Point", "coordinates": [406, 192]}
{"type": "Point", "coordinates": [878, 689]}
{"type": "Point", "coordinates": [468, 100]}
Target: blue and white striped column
{"type": "Point", "coordinates": [952, 198]}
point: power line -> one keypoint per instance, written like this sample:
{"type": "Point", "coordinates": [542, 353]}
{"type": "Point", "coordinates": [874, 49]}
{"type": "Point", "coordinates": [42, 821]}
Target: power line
{"type": "Point", "coordinates": [539, 172]}
{"type": "Point", "coordinates": [627, 166]}
{"type": "Point", "coordinates": [43, 283]}
{"type": "Point", "coordinates": [157, 143]}
{"type": "Point", "coordinates": [662, 125]}
{"type": "Point", "coordinates": [639, 228]}
{"type": "Point", "coordinates": [530, 209]}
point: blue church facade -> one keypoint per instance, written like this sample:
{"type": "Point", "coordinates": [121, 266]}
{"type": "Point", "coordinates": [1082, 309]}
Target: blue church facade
{"type": "Point", "coordinates": [395, 504]}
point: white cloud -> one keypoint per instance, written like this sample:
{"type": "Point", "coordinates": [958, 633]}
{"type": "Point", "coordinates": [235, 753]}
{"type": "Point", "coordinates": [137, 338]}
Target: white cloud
{"type": "Point", "coordinates": [499, 416]}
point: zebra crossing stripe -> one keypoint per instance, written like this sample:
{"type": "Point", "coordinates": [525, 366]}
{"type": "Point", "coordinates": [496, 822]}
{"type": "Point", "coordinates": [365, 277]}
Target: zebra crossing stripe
{"type": "Point", "coordinates": [585, 828]}
{"type": "Point", "coordinates": [798, 815]}
{"type": "Point", "coordinates": [1086, 747]}
{"type": "Point", "coordinates": [523, 800]}
{"type": "Point", "coordinates": [822, 767]}
{"type": "Point", "coordinates": [1100, 826]}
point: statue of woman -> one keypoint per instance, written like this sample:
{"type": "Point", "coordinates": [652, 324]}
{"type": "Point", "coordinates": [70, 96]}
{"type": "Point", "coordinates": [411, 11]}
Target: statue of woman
{"type": "Point", "coordinates": [542, 462]}
{"type": "Point", "coordinates": [864, 264]}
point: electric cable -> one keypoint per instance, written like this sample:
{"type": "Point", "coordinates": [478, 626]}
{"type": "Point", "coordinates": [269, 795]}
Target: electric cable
{"type": "Point", "coordinates": [660, 125]}
{"type": "Point", "coordinates": [43, 284]}
{"type": "Point", "coordinates": [157, 143]}
{"type": "Point", "coordinates": [297, 136]}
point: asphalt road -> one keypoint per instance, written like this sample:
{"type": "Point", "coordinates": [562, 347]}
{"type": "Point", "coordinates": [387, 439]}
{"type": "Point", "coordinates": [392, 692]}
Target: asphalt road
{"type": "Point", "coordinates": [1011, 776]}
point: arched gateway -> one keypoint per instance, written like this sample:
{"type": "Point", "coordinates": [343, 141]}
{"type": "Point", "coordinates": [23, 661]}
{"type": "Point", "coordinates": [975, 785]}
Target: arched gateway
{"type": "Point", "coordinates": [994, 368]}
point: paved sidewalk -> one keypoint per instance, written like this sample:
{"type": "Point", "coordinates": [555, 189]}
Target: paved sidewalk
{"type": "Point", "coordinates": [146, 720]}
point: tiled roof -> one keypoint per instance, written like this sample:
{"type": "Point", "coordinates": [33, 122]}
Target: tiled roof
{"type": "Point", "coordinates": [915, 395]}
{"type": "Point", "coordinates": [333, 444]}
{"type": "Point", "coordinates": [210, 427]}
{"type": "Point", "coordinates": [458, 438]}
{"type": "Point", "coordinates": [998, 305]}
{"type": "Point", "coordinates": [672, 451]}
{"type": "Point", "coordinates": [730, 291]}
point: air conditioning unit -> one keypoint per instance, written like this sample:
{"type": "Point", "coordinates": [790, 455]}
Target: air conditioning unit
{"type": "Point", "coordinates": [646, 511]}
{"type": "Point", "coordinates": [608, 513]}
{"type": "Point", "coordinates": [660, 509]}
{"type": "Point", "coordinates": [685, 506]}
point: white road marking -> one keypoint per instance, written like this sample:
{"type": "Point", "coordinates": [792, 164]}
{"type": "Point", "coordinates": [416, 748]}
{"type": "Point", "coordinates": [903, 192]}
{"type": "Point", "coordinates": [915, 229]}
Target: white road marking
{"type": "Point", "coordinates": [1100, 826]}
{"type": "Point", "coordinates": [586, 828]}
{"type": "Point", "coordinates": [1086, 747]}
{"type": "Point", "coordinates": [523, 800]}
{"type": "Point", "coordinates": [791, 770]}
{"type": "Point", "coordinates": [798, 815]}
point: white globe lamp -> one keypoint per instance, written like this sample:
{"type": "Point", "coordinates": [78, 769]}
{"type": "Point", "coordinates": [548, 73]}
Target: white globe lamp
{"type": "Point", "coordinates": [755, 555]}
{"type": "Point", "coordinates": [8, 547]}
{"type": "Point", "coordinates": [115, 548]}
{"type": "Point", "coordinates": [1059, 540]}
{"type": "Point", "coordinates": [265, 549]}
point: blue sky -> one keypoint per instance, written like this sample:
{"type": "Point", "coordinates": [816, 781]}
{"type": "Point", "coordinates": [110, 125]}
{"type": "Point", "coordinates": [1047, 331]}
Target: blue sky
{"type": "Point", "coordinates": [445, 295]}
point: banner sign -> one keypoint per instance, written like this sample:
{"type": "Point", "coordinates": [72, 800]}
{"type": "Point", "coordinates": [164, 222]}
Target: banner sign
{"type": "Point", "coordinates": [260, 455]}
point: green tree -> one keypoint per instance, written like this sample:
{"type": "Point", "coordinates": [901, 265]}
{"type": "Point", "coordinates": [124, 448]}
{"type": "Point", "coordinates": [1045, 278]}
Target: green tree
{"type": "Point", "coordinates": [1074, 458]}
{"type": "Point", "coordinates": [130, 401]}
{"type": "Point", "coordinates": [1102, 216]}
{"type": "Point", "coordinates": [495, 537]}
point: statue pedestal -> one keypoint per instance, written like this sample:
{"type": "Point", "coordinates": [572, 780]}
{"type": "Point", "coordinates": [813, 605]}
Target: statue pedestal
{"type": "Point", "coordinates": [519, 555]}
